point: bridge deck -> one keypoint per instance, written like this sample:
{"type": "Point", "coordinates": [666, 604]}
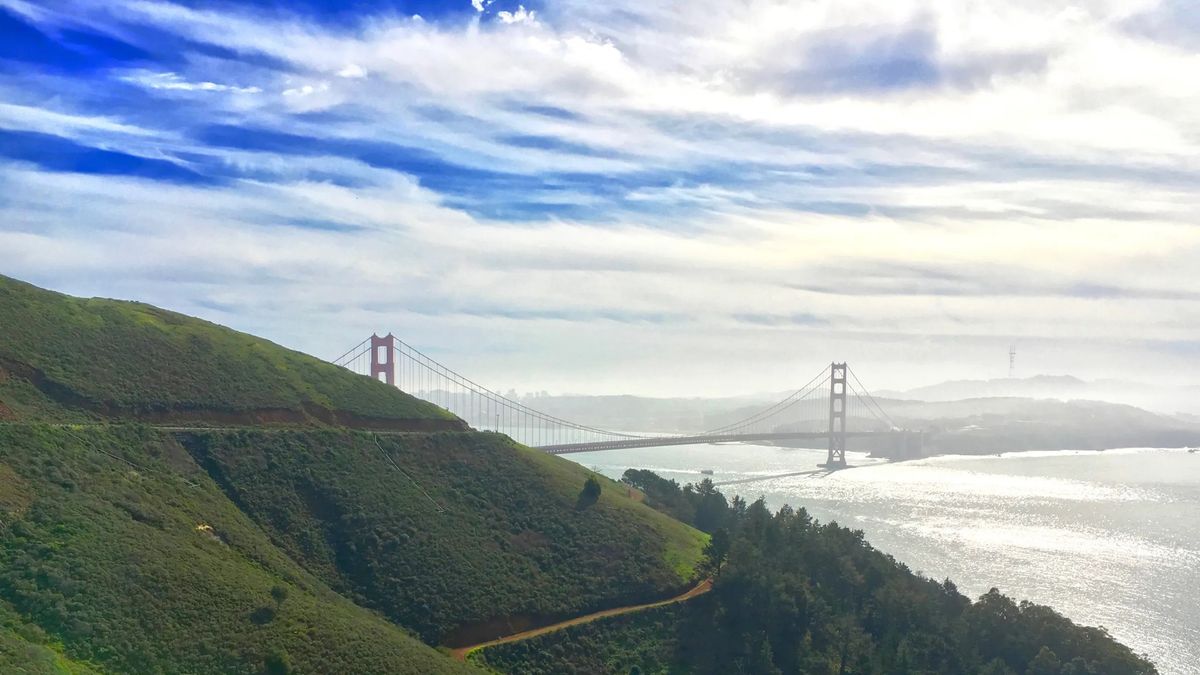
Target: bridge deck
{"type": "Point", "coordinates": [664, 441]}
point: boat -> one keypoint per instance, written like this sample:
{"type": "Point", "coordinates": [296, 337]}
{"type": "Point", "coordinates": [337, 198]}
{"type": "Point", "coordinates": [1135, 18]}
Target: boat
{"type": "Point", "coordinates": [1193, 450]}
{"type": "Point", "coordinates": [706, 472]}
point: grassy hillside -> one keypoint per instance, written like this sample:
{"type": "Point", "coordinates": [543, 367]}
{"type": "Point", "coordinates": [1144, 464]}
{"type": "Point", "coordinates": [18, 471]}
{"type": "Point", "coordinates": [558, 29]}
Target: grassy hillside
{"type": "Point", "coordinates": [26, 649]}
{"type": "Point", "coordinates": [458, 536]}
{"type": "Point", "coordinates": [118, 550]}
{"type": "Point", "coordinates": [71, 358]}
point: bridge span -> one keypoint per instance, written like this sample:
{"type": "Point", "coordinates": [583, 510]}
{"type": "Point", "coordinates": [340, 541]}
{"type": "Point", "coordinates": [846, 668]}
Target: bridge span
{"type": "Point", "coordinates": [833, 405]}
{"type": "Point", "coordinates": [664, 441]}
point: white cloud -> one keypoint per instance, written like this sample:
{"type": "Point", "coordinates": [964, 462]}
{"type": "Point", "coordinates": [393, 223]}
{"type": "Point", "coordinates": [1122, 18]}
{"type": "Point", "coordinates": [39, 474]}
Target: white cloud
{"type": "Point", "coordinates": [353, 71]}
{"type": "Point", "coordinates": [307, 89]}
{"type": "Point", "coordinates": [522, 15]}
{"type": "Point", "coordinates": [51, 122]}
{"type": "Point", "coordinates": [172, 81]}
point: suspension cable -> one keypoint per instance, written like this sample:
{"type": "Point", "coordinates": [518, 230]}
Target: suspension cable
{"type": "Point", "coordinates": [465, 381]}
{"type": "Point", "coordinates": [866, 392]}
{"type": "Point", "coordinates": [787, 402]}
{"type": "Point", "coordinates": [338, 360]}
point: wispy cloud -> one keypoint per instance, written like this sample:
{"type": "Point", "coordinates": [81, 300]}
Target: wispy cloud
{"type": "Point", "coordinates": [753, 177]}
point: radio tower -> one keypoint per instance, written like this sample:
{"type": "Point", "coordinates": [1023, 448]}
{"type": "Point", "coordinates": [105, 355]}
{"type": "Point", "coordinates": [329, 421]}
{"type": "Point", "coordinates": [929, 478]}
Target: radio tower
{"type": "Point", "coordinates": [1012, 360]}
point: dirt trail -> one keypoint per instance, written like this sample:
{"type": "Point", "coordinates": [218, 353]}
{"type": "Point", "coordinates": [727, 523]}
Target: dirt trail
{"type": "Point", "coordinates": [700, 589]}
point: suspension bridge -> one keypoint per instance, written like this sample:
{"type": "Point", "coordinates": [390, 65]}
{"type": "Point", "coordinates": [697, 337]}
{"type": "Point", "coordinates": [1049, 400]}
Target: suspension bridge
{"type": "Point", "coordinates": [832, 406]}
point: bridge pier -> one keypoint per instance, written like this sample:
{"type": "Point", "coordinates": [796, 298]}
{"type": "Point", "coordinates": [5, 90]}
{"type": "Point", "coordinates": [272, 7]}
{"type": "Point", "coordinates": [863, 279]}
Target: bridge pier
{"type": "Point", "coordinates": [837, 417]}
{"type": "Point", "coordinates": [385, 363]}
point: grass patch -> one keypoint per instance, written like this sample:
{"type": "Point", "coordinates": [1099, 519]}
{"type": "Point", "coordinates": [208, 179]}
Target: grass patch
{"type": "Point", "coordinates": [131, 359]}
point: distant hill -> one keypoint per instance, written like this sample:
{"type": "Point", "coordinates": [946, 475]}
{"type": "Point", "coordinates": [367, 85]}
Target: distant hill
{"type": "Point", "coordinates": [1038, 386]}
{"type": "Point", "coordinates": [1161, 398]}
{"type": "Point", "coordinates": [69, 358]}
{"type": "Point", "coordinates": [283, 537]}
{"type": "Point", "coordinates": [1002, 424]}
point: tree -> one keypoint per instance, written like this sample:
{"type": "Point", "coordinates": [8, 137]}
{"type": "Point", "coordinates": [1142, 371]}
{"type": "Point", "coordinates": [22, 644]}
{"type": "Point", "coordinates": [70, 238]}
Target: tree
{"type": "Point", "coordinates": [717, 550]}
{"type": "Point", "coordinates": [590, 493]}
{"type": "Point", "coordinates": [1045, 663]}
{"type": "Point", "coordinates": [711, 508]}
{"type": "Point", "coordinates": [277, 663]}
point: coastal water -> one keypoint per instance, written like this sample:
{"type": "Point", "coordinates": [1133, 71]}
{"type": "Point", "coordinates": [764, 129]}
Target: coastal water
{"type": "Point", "coordinates": [1107, 538]}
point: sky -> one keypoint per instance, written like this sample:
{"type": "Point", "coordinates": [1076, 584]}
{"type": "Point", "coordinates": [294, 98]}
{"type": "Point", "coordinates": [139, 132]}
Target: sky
{"type": "Point", "coordinates": [700, 198]}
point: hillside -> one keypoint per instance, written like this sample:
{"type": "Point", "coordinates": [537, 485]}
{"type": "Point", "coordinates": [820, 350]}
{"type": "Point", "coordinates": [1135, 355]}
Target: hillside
{"type": "Point", "coordinates": [305, 544]}
{"type": "Point", "coordinates": [67, 358]}
{"type": "Point", "coordinates": [26, 649]}
{"type": "Point", "coordinates": [115, 545]}
{"type": "Point", "coordinates": [460, 537]}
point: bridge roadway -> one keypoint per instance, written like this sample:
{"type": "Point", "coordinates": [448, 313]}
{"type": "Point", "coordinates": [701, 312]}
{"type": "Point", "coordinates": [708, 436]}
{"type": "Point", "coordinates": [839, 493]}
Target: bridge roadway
{"type": "Point", "coordinates": [663, 441]}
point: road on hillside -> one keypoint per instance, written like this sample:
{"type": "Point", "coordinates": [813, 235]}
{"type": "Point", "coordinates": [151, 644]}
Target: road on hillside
{"type": "Point", "coordinates": [700, 589]}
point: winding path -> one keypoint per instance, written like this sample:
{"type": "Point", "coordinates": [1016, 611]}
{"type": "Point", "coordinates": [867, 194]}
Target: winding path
{"type": "Point", "coordinates": [700, 589]}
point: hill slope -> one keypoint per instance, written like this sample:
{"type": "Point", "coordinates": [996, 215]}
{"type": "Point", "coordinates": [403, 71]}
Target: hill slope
{"type": "Point", "coordinates": [459, 536]}
{"type": "Point", "coordinates": [72, 358]}
{"type": "Point", "coordinates": [238, 549]}
{"type": "Point", "coordinates": [119, 547]}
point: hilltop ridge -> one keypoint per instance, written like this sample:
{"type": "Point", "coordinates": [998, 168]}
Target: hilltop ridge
{"type": "Point", "coordinates": [73, 359]}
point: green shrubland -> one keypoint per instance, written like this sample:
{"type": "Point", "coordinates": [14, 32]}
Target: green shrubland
{"type": "Point", "coordinates": [117, 550]}
{"type": "Point", "coordinates": [26, 649]}
{"type": "Point", "coordinates": [648, 641]}
{"type": "Point", "coordinates": [455, 535]}
{"type": "Point", "coordinates": [89, 357]}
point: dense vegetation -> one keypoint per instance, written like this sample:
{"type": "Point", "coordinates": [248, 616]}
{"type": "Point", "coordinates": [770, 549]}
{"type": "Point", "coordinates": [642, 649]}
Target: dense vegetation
{"type": "Point", "coordinates": [26, 649]}
{"type": "Point", "coordinates": [647, 641]}
{"type": "Point", "coordinates": [64, 356]}
{"type": "Point", "coordinates": [458, 536]}
{"type": "Point", "coordinates": [701, 505]}
{"type": "Point", "coordinates": [115, 545]}
{"type": "Point", "coordinates": [797, 596]}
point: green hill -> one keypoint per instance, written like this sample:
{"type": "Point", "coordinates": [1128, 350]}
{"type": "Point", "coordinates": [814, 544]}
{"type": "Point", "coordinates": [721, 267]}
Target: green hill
{"type": "Point", "coordinates": [307, 546]}
{"type": "Point", "coordinates": [67, 358]}
{"type": "Point", "coordinates": [25, 649]}
{"type": "Point", "coordinates": [458, 536]}
{"type": "Point", "coordinates": [115, 545]}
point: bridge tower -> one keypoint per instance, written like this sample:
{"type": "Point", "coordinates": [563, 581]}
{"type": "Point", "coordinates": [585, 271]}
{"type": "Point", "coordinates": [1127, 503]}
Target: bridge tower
{"type": "Point", "coordinates": [383, 364]}
{"type": "Point", "coordinates": [837, 416]}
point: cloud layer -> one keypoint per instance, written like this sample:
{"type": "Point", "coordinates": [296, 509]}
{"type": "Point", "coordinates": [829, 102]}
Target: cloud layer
{"type": "Point", "coordinates": [616, 197]}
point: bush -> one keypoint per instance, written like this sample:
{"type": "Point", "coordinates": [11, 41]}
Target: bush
{"type": "Point", "coordinates": [590, 494]}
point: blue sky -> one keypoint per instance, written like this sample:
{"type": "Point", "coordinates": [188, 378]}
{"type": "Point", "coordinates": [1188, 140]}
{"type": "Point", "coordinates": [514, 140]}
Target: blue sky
{"type": "Point", "coordinates": [614, 197]}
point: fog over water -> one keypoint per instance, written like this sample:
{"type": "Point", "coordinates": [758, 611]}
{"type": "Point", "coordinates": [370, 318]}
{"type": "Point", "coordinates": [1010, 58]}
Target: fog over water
{"type": "Point", "coordinates": [1106, 538]}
